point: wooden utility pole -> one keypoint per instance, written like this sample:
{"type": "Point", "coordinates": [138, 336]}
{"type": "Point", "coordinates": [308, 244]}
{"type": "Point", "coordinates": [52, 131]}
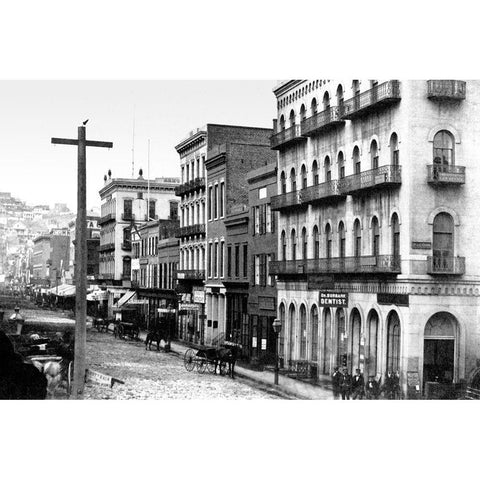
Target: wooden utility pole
{"type": "Point", "coordinates": [81, 256]}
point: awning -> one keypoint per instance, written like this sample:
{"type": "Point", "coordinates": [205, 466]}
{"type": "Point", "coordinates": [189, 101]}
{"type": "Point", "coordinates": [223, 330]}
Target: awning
{"type": "Point", "coordinates": [125, 298]}
{"type": "Point", "coordinates": [97, 295]}
{"type": "Point", "coordinates": [63, 290]}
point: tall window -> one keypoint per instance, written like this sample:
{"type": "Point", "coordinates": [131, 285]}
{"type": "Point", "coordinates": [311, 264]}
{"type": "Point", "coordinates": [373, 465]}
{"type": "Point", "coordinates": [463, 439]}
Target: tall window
{"type": "Point", "coordinates": [229, 261]}
{"type": "Point", "coordinates": [328, 169]}
{"type": "Point", "coordinates": [314, 106]}
{"type": "Point", "coordinates": [237, 261]}
{"type": "Point", "coordinates": [215, 260]}
{"type": "Point", "coordinates": [443, 241]}
{"type": "Point", "coordinates": [210, 202]}
{"type": "Point", "coordinates": [394, 152]}
{"type": "Point", "coordinates": [372, 343]}
{"type": "Point", "coordinates": [341, 240]}
{"type": "Point", "coordinates": [256, 267]}
{"type": "Point", "coordinates": [222, 198]}
{"type": "Point", "coordinates": [315, 173]}
{"type": "Point", "coordinates": [340, 98]}
{"type": "Point", "coordinates": [341, 165]}
{"type": "Point", "coordinates": [281, 336]}
{"type": "Point", "coordinates": [303, 332]}
{"type": "Point", "coordinates": [327, 339]}
{"type": "Point", "coordinates": [316, 243]}
{"type": "Point", "coordinates": [328, 238]}
{"type": "Point", "coordinates": [127, 209]}
{"type": "Point", "coordinates": [292, 118]}
{"type": "Point", "coordinates": [375, 237]}
{"type": "Point", "coordinates": [303, 173]}
{"type": "Point", "coordinates": [293, 243]}
{"type": "Point", "coordinates": [283, 183]}
{"type": "Point", "coordinates": [356, 160]}
{"type": "Point", "coordinates": [314, 335]}
{"type": "Point", "coordinates": [222, 253]}
{"type": "Point", "coordinates": [304, 243]}
{"type": "Point", "coordinates": [210, 259]}
{"type": "Point", "coordinates": [291, 331]}
{"type": "Point", "coordinates": [374, 154]}
{"type": "Point", "coordinates": [356, 338]}
{"type": "Point", "coordinates": [284, 245]}
{"type": "Point", "coordinates": [326, 101]}
{"type": "Point", "coordinates": [215, 200]}
{"type": "Point", "coordinates": [340, 335]}
{"type": "Point", "coordinates": [443, 150]}
{"type": "Point", "coordinates": [282, 123]}
{"type": "Point", "coordinates": [393, 342]}
{"type": "Point", "coordinates": [257, 220]}
{"type": "Point", "coordinates": [268, 216]}
{"type": "Point", "coordinates": [357, 233]}
{"type": "Point", "coordinates": [151, 209]}
{"type": "Point", "coordinates": [245, 261]}
{"type": "Point", "coordinates": [395, 235]}
{"type": "Point", "coordinates": [356, 94]}
{"type": "Point", "coordinates": [303, 113]}
{"type": "Point", "coordinates": [293, 180]}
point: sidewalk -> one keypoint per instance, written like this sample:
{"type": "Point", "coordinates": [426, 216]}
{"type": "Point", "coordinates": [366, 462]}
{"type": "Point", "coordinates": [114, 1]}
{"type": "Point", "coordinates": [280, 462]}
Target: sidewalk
{"type": "Point", "coordinates": [289, 386]}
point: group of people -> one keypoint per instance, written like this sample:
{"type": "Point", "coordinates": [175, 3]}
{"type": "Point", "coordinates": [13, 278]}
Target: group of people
{"type": "Point", "coordinates": [346, 386]}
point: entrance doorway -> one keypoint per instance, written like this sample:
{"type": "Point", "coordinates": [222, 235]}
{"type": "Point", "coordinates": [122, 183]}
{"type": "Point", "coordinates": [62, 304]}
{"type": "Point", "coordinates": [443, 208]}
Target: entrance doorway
{"type": "Point", "coordinates": [438, 360]}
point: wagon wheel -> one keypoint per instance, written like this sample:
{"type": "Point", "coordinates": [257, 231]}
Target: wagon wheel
{"type": "Point", "coordinates": [223, 368]}
{"type": "Point", "coordinates": [211, 366]}
{"type": "Point", "coordinates": [189, 360]}
{"type": "Point", "coordinates": [202, 362]}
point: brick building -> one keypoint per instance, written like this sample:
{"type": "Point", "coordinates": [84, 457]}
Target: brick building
{"type": "Point", "coordinates": [50, 259]}
{"type": "Point", "coordinates": [377, 197]}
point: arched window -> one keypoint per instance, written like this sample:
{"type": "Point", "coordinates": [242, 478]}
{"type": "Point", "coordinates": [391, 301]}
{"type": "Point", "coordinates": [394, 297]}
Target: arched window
{"type": "Point", "coordinates": [341, 240]}
{"type": "Point", "coordinates": [304, 243]}
{"type": "Point", "coordinates": [315, 172]}
{"type": "Point", "coordinates": [357, 239]}
{"type": "Point", "coordinates": [328, 240]}
{"type": "Point", "coordinates": [340, 98]}
{"type": "Point", "coordinates": [326, 101]}
{"type": "Point", "coordinates": [375, 237]}
{"type": "Point", "coordinates": [316, 243]}
{"type": "Point", "coordinates": [372, 343]}
{"type": "Point", "coordinates": [443, 227]}
{"type": "Point", "coordinates": [328, 169]}
{"type": "Point", "coordinates": [314, 334]}
{"type": "Point", "coordinates": [327, 340]}
{"type": "Point", "coordinates": [282, 123]}
{"type": "Point", "coordinates": [394, 152]}
{"type": "Point", "coordinates": [356, 338]}
{"type": "Point", "coordinates": [292, 118]}
{"type": "Point", "coordinates": [291, 332]}
{"type": "Point", "coordinates": [374, 154]}
{"type": "Point", "coordinates": [303, 113]}
{"type": "Point", "coordinates": [284, 245]}
{"type": "Point", "coordinates": [314, 106]}
{"type": "Point", "coordinates": [341, 337]}
{"type": "Point", "coordinates": [303, 332]}
{"type": "Point", "coordinates": [303, 173]}
{"type": "Point", "coordinates": [283, 183]}
{"type": "Point", "coordinates": [281, 336]}
{"type": "Point", "coordinates": [126, 266]}
{"type": "Point", "coordinates": [443, 150]}
{"type": "Point", "coordinates": [356, 161]}
{"type": "Point", "coordinates": [395, 235]}
{"type": "Point", "coordinates": [293, 243]}
{"type": "Point", "coordinates": [293, 180]}
{"type": "Point", "coordinates": [341, 165]}
{"type": "Point", "coordinates": [393, 342]}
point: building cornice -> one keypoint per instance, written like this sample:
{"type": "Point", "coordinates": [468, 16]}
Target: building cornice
{"type": "Point", "coordinates": [195, 137]}
{"type": "Point", "coordinates": [286, 86]}
{"type": "Point", "coordinates": [136, 184]}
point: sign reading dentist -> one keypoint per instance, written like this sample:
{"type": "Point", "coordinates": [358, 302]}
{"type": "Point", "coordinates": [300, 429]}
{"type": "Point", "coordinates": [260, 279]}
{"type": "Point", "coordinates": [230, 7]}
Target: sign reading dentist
{"type": "Point", "coordinates": [333, 299]}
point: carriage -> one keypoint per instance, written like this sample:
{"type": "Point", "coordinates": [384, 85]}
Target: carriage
{"type": "Point", "coordinates": [127, 323]}
{"type": "Point", "coordinates": [207, 359]}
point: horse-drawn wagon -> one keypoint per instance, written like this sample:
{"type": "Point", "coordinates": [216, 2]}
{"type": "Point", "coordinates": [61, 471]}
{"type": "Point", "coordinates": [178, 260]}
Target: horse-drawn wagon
{"type": "Point", "coordinates": [208, 359]}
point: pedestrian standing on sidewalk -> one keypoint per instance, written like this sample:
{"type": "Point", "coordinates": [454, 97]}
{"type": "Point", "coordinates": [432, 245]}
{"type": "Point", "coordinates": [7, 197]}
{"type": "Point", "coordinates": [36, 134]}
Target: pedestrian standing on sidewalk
{"type": "Point", "coordinates": [358, 385]}
{"type": "Point", "coordinates": [346, 384]}
{"type": "Point", "coordinates": [336, 381]}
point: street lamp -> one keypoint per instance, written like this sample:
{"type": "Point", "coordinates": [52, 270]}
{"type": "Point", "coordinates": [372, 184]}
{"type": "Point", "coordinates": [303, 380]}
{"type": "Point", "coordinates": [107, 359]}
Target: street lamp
{"type": "Point", "coordinates": [277, 328]}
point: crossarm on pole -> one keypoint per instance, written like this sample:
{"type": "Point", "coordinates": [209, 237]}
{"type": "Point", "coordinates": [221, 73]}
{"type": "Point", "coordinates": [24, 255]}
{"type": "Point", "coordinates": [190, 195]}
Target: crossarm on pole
{"type": "Point", "coordinates": [64, 141]}
{"type": "Point", "coordinates": [95, 143]}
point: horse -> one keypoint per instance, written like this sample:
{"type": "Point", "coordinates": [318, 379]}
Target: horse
{"type": "Point", "coordinates": [157, 336]}
{"type": "Point", "coordinates": [227, 354]}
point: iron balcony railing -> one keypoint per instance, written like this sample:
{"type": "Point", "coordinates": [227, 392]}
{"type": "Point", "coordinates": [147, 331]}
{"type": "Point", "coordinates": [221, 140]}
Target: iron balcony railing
{"type": "Point", "coordinates": [106, 247]}
{"type": "Point", "coordinates": [380, 177]}
{"type": "Point", "coordinates": [322, 191]}
{"type": "Point", "coordinates": [126, 276]}
{"type": "Point", "coordinates": [284, 137]}
{"type": "Point", "coordinates": [376, 97]}
{"type": "Point", "coordinates": [191, 274]}
{"type": "Point", "coordinates": [126, 246]}
{"type": "Point", "coordinates": [446, 174]}
{"type": "Point", "coordinates": [441, 265]}
{"type": "Point", "coordinates": [286, 200]}
{"type": "Point", "coordinates": [197, 229]}
{"type": "Point", "coordinates": [376, 264]}
{"type": "Point", "coordinates": [190, 186]}
{"type": "Point", "coordinates": [322, 120]}
{"type": "Point", "coordinates": [128, 216]}
{"type": "Point", "coordinates": [109, 217]}
{"type": "Point", "coordinates": [446, 89]}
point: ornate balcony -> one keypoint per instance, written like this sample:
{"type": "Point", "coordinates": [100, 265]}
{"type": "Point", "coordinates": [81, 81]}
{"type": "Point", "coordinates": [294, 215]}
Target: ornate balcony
{"type": "Point", "coordinates": [197, 229]}
{"type": "Point", "coordinates": [377, 178]}
{"type": "Point", "coordinates": [190, 186]}
{"type": "Point", "coordinates": [128, 216]}
{"type": "Point", "coordinates": [371, 264]}
{"type": "Point", "coordinates": [371, 100]}
{"type": "Point", "coordinates": [288, 200]}
{"type": "Point", "coordinates": [109, 217]}
{"type": "Point", "coordinates": [438, 265]}
{"type": "Point", "coordinates": [191, 274]}
{"type": "Point", "coordinates": [322, 121]}
{"type": "Point", "coordinates": [446, 89]}
{"type": "Point", "coordinates": [322, 191]}
{"type": "Point", "coordinates": [446, 175]}
{"type": "Point", "coordinates": [286, 137]}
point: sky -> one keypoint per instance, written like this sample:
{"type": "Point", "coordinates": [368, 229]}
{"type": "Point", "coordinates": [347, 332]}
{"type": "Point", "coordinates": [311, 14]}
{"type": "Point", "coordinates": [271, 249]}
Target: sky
{"type": "Point", "coordinates": [34, 111]}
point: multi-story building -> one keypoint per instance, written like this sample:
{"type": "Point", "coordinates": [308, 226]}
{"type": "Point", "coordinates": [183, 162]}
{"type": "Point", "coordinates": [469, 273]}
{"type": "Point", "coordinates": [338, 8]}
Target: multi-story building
{"type": "Point", "coordinates": [128, 203]}
{"type": "Point", "coordinates": [233, 151]}
{"type": "Point", "coordinates": [262, 247]}
{"type": "Point", "coordinates": [377, 267]}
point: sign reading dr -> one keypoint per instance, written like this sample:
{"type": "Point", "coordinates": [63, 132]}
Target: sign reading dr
{"type": "Point", "coordinates": [333, 299]}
